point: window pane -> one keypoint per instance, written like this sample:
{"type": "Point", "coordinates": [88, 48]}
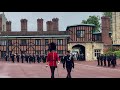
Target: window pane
{"type": "Point", "coordinates": [80, 33]}
{"type": "Point", "coordinates": [46, 42]}
{"type": "Point", "coordinates": [23, 42]}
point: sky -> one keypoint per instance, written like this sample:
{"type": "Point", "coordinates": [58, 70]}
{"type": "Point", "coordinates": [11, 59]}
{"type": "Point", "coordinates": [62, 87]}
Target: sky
{"type": "Point", "coordinates": [65, 18]}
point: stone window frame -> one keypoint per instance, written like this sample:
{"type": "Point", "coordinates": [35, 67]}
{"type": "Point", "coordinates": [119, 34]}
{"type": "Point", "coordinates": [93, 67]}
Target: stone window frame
{"type": "Point", "coordinates": [97, 52]}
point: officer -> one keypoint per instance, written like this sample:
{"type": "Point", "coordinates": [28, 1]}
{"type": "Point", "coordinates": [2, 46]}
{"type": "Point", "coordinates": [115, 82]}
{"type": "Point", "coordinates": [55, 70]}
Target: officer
{"type": "Point", "coordinates": [69, 63]}
{"type": "Point", "coordinates": [62, 58]}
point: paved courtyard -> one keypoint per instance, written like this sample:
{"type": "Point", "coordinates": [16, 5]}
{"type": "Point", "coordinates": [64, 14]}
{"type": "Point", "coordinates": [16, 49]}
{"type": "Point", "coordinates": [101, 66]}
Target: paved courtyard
{"type": "Point", "coordinates": [82, 70]}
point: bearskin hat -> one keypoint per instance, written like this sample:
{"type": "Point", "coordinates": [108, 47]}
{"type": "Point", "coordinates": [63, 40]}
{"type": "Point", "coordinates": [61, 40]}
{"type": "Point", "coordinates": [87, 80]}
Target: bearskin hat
{"type": "Point", "coordinates": [52, 46]}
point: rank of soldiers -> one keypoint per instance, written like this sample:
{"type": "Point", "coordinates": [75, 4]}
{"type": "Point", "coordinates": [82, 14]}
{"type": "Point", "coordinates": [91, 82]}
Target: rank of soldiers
{"type": "Point", "coordinates": [106, 60]}
{"type": "Point", "coordinates": [29, 58]}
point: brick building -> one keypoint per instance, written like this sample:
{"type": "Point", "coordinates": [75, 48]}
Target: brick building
{"type": "Point", "coordinates": [36, 42]}
{"type": "Point", "coordinates": [76, 37]}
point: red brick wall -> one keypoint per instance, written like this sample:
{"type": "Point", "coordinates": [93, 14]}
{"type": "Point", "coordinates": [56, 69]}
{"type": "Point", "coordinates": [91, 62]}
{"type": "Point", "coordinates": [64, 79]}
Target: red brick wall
{"type": "Point", "coordinates": [105, 30]}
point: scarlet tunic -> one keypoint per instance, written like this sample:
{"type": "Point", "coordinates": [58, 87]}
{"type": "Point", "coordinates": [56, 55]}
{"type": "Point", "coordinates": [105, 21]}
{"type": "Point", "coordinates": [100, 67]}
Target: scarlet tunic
{"type": "Point", "coordinates": [52, 58]}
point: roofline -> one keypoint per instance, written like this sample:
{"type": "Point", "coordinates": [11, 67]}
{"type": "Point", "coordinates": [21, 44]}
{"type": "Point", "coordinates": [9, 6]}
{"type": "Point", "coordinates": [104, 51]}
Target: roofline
{"type": "Point", "coordinates": [41, 36]}
{"type": "Point", "coordinates": [80, 25]}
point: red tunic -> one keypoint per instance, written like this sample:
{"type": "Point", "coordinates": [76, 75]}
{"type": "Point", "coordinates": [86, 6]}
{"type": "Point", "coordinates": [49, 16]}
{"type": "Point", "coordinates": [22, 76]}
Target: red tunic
{"type": "Point", "coordinates": [52, 58]}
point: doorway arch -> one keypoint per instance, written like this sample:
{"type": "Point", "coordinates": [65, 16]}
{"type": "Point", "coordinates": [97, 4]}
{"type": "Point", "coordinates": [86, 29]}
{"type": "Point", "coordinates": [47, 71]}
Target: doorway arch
{"type": "Point", "coordinates": [81, 50]}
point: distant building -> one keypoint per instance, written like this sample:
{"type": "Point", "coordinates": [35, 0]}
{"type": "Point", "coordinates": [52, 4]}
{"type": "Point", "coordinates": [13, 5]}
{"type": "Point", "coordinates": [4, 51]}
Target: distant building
{"type": "Point", "coordinates": [3, 20]}
{"type": "Point", "coordinates": [81, 38]}
{"type": "Point", "coordinates": [116, 29]}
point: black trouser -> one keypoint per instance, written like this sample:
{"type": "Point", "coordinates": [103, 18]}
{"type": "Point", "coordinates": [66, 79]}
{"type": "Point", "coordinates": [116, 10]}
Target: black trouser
{"type": "Point", "coordinates": [34, 60]}
{"type": "Point", "coordinates": [27, 60]}
{"type": "Point", "coordinates": [104, 62]}
{"type": "Point", "coordinates": [6, 59]}
{"type": "Point", "coordinates": [22, 60]}
{"type": "Point", "coordinates": [101, 61]}
{"type": "Point", "coordinates": [13, 60]}
{"type": "Point", "coordinates": [52, 68]}
{"type": "Point", "coordinates": [68, 72]}
{"type": "Point", "coordinates": [38, 60]}
{"type": "Point", "coordinates": [109, 63]}
{"type": "Point", "coordinates": [17, 59]}
{"type": "Point", "coordinates": [98, 61]}
{"type": "Point", "coordinates": [113, 63]}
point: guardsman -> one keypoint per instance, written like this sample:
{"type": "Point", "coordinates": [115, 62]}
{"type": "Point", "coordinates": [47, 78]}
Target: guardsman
{"type": "Point", "coordinates": [30, 58]}
{"type": "Point", "coordinates": [27, 57]}
{"type": "Point", "coordinates": [13, 58]}
{"type": "Point", "coordinates": [6, 57]}
{"type": "Point", "coordinates": [52, 58]}
{"type": "Point", "coordinates": [34, 58]}
{"type": "Point", "coordinates": [17, 57]}
{"type": "Point", "coordinates": [113, 60]}
{"type": "Point", "coordinates": [101, 59]}
{"type": "Point", "coordinates": [22, 58]}
{"type": "Point", "coordinates": [98, 60]}
{"type": "Point", "coordinates": [38, 58]}
{"type": "Point", "coordinates": [69, 63]}
{"type": "Point", "coordinates": [104, 59]}
{"type": "Point", "coordinates": [109, 60]}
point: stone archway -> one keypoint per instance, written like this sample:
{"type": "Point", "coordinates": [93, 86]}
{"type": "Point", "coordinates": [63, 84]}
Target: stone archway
{"type": "Point", "coordinates": [80, 49]}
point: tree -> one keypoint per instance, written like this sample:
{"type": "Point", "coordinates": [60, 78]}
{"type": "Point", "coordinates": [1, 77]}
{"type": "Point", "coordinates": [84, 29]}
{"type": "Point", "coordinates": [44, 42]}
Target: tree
{"type": "Point", "coordinates": [93, 20]}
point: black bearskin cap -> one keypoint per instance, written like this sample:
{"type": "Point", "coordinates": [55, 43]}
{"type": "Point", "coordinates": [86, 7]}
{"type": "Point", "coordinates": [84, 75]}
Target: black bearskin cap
{"type": "Point", "coordinates": [52, 46]}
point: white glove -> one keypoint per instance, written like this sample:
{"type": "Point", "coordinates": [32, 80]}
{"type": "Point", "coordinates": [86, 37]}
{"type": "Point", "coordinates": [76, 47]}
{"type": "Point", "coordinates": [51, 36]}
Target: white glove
{"type": "Point", "coordinates": [46, 65]}
{"type": "Point", "coordinates": [58, 62]}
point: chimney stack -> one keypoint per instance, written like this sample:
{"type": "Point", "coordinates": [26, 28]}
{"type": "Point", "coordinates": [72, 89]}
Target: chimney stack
{"type": "Point", "coordinates": [40, 25]}
{"type": "Point", "coordinates": [24, 25]}
{"type": "Point", "coordinates": [8, 26]}
{"type": "Point", "coordinates": [55, 24]}
{"type": "Point", "coordinates": [106, 39]}
{"type": "Point", "coordinates": [49, 25]}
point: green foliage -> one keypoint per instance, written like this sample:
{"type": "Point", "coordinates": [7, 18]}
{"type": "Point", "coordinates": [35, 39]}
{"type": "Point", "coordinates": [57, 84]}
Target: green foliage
{"type": "Point", "coordinates": [117, 53]}
{"type": "Point", "coordinates": [93, 20]}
